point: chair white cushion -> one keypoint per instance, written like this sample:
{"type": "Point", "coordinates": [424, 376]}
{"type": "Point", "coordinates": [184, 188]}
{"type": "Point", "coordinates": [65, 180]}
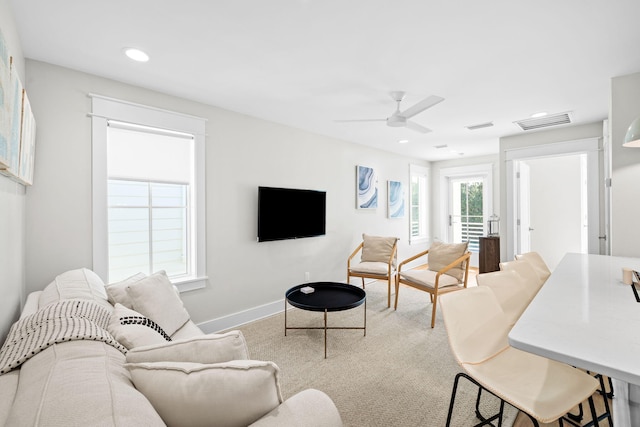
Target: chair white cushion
{"type": "Point", "coordinates": [377, 249]}
{"type": "Point", "coordinates": [381, 268]}
{"type": "Point", "coordinates": [155, 298]}
{"type": "Point", "coordinates": [117, 292]}
{"type": "Point", "coordinates": [442, 254]}
{"type": "Point", "coordinates": [132, 329]}
{"type": "Point", "coordinates": [231, 394]}
{"type": "Point", "coordinates": [544, 388]}
{"type": "Point", "coordinates": [427, 278]}
{"type": "Point", "coordinates": [214, 348]}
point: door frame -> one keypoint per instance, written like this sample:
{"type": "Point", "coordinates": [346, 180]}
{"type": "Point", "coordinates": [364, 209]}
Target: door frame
{"type": "Point", "coordinates": [485, 171]}
{"type": "Point", "coordinates": [589, 146]}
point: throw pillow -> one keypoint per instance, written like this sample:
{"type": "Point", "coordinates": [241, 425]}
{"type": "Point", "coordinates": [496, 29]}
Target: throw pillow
{"type": "Point", "coordinates": [231, 394]}
{"type": "Point", "coordinates": [131, 329]}
{"type": "Point", "coordinates": [442, 254]}
{"type": "Point", "coordinates": [155, 298]}
{"type": "Point", "coordinates": [117, 292]}
{"type": "Point", "coordinates": [377, 249]}
{"type": "Point", "coordinates": [214, 348]}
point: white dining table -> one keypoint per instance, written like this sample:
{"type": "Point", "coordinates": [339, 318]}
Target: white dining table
{"type": "Point", "coordinates": [585, 316]}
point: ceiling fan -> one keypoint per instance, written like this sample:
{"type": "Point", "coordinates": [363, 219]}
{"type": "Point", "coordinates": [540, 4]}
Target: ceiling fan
{"type": "Point", "coordinates": [400, 118]}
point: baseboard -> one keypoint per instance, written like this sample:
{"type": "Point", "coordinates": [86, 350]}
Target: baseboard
{"type": "Point", "coordinates": [240, 318]}
{"type": "Point", "coordinates": [243, 317]}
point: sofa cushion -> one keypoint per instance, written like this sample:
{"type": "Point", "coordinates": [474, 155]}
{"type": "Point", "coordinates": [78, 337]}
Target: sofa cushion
{"type": "Point", "coordinates": [132, 329]}
{"type": "Point", "coordinates": [75, 284]}
{"type": "Point", "coordinates": [8, 390]}
{"type": "Point", "coordinates": [214, 348]}
{"type": "Point", "coordinates": [442, 254]}
{"type": "Point", "coordinates": [154, 297]}
{"type": "Point", "coordinates": [79, 383]}
{"type": "Point", "coordinates": [230, 394]}
{"type": "Point", "coordinates": [117, 292]}
{"type": "Point", "coordinates": [377, 249]}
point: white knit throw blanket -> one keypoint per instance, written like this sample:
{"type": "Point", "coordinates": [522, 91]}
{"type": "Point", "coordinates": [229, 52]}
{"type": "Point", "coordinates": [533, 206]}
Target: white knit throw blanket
{"type": "Point", "coordinates": [67, 320]}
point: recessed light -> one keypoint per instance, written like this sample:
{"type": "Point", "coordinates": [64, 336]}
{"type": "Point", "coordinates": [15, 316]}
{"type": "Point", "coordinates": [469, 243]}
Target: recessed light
{"type": "Point", "coordinates": [540, 114]}
{"type": "Point", "coordinates": [403, 141]}
{"type": "Point", "coordinates": [136, 54]}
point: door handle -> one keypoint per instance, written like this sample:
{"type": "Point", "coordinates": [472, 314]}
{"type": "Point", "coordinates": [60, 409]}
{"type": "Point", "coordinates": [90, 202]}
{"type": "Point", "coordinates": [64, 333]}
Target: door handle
{"type": "Point", "coordinates": [531, 229]}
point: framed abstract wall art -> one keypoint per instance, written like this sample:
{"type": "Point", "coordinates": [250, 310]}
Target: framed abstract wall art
{"type": "Point", "coordinates": [367, 188]}
{"type": "Point", "coordinates": [395, 199]}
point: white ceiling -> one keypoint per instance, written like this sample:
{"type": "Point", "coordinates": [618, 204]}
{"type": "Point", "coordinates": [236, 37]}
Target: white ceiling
{"type": "Point", "coordinates": [307, 63]}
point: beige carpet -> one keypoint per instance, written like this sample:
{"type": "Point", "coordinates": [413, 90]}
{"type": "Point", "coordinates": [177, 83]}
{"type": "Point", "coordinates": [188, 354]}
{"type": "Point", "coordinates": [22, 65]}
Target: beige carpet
{"type": "Point", "coordinates": [400, 374]}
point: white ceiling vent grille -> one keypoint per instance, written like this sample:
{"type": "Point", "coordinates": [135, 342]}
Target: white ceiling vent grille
{"type": "Point", "coordinates": [545, 121]}
{"type": "Point", "coordinates": [480, 126]}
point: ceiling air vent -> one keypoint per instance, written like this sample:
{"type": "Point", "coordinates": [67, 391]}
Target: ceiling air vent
{"type": "Point", "coordinates": [545, 121]}
{"type": "Point", "coordinates": [480, 126]}
{"type": "Point", "coordinates": [440, 146]}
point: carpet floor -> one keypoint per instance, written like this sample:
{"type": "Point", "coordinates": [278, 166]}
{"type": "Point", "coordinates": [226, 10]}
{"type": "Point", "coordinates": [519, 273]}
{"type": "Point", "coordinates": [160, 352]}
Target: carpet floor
{"type": "Point", "coordinates": [400, 374]}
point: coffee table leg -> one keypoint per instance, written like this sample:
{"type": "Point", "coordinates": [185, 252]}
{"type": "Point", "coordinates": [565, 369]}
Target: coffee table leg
{"type": "Point", "coordinates": [365, 317]}
{"type": "Point", "coordinates": [285, 317]}
{"type": "Point", "coordinates": [325, 333]}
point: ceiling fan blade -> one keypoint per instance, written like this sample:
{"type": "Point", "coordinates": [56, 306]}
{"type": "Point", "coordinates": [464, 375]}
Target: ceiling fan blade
{"type": "Point", "coordinates": [417, 127]}
{"type": "Point", "coordinates": [428, 102]}
{"type": "Point", "coordinates": [361, 120]}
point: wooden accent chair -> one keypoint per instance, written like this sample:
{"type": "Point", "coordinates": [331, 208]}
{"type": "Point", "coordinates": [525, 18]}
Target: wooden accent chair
{"type": "Point", "coordinates": [447, 270]}
{"type": "Point", "coordinates": [544, 389]}
{"type": "Point", "coordinates": [378, 260]}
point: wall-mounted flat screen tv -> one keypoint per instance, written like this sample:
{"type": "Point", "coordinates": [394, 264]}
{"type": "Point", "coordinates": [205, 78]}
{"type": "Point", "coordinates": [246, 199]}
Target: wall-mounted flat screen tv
{"type": "Point", "coordinates": [288, 213]}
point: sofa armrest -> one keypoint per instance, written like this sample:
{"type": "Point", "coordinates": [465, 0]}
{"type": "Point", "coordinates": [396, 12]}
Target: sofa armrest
{"type": "Point", "coordinates": [309, 408]}
{"type": "Point", "coordinates": [8, 390]}
{"type": "Point", "coordinates": [31, 305]}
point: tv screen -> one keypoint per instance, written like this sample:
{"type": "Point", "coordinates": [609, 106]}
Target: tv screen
{"type": "Point", "coordinates": [288, 213]}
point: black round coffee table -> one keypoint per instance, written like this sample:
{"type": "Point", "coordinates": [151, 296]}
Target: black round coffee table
{"type": "Point", "coordinates": [326, 297]}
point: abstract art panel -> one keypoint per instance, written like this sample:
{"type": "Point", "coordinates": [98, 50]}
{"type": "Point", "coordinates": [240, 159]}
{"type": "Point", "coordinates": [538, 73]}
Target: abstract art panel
{"type": "Point", "coordinates": [6, 102]}
{"type": "Point", "coordinates": [395, 199]}
{"type": "Point", "coordinates": [367, 188]}
{"type": "Point", "coordinates": [27, 141]}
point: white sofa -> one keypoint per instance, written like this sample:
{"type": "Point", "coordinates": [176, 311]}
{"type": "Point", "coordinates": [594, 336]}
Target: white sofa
{"type": "Point", "coordinates": [87, 377]}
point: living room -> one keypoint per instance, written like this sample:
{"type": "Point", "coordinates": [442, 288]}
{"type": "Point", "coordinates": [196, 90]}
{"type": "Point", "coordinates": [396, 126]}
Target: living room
{"type": "Point", "coordinates": [47, 227]}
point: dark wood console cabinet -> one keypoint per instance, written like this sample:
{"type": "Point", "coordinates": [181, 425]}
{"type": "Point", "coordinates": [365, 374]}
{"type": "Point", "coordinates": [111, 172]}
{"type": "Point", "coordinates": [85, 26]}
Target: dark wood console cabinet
{"type": "Point", "coordinates": [489, 256]}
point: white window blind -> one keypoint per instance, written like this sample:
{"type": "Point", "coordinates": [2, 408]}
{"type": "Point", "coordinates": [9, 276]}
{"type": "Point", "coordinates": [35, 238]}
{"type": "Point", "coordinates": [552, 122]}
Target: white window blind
{"type": "Point", "coordinates": [148, 173]}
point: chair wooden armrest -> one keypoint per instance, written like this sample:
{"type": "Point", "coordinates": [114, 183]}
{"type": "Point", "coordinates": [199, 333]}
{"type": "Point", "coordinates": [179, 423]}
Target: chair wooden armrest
{"type": "Point", "coordinates": [455, 263]}
{"type": "Point", "coordinates": [413, 258]}
{"type": "Point", "coordinates": [353, 254]}
{"type": "Point", "coordinates": [464, 258]}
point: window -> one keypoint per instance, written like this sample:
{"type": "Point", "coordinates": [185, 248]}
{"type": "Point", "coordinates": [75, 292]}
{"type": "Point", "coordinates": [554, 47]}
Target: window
{"type": "Point", "coordinates": [419, 179]}
{"type": "Point", "coordinates": [148, 193]}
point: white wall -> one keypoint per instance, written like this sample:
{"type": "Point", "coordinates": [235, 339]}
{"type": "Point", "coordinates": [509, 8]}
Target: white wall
{"type": "Point", "coordinates": [241, 153]}
{"type": "Point", "coordinates": [12, 206]}
{"type": "Point", "coordinates": [625, 177]}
